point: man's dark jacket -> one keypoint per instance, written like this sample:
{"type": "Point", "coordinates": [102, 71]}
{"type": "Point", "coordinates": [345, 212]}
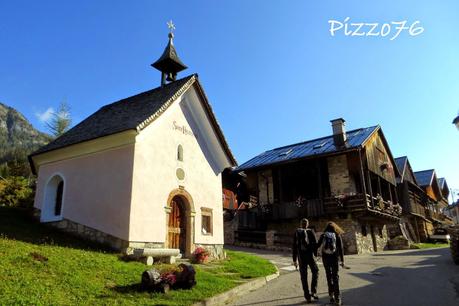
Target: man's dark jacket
{"type": "Point", "coordinates": [300, 247]}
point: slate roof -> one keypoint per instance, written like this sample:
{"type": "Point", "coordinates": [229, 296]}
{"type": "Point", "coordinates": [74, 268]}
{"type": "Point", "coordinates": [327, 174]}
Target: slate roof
{"type": "Point", "coordinates": [133, 113]}
{"type": "Point", "coordinates": [125, 114]}
{"type": "Point", "coordinates": [320, 146]}
{"type": "Point", "coordinates": [441, 182]}
{"type": "Point", "coordinates": [401, 163]}
{"type": "Point", "coordinates": [424, 178]}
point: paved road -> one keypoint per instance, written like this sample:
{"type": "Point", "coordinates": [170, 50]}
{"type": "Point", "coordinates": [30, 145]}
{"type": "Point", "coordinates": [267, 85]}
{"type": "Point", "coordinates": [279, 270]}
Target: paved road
{"type": "Point", "coordinates": [414, 277]}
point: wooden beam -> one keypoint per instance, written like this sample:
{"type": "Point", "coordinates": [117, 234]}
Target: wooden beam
{"type": "Point", "coordinates": [390, 191]}
{"type": "Point", "coordinates": [362, 175]}
{"type": "Point", "coordinates": [279, 180]}
{"type": "Point", "coordinates": [319, 178]}
{"type": "Point", "coordinates": [370, 187]}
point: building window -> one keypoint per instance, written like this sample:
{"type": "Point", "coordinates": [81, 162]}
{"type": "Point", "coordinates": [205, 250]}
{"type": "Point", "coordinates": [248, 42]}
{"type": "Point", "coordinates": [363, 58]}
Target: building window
{"type": "Point", "coordinates": [180, 153]}
{"type": "Point", "coordinates": [206, 221]}
{"type": "Point", "coordinates": [58, 203]}
{"type": "Point", "coordinates": [53, 201]}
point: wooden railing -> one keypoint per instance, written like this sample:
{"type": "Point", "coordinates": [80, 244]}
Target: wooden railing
{"type": "Point", "coordinates": [353, 203]}
{"type": "Point", "coordinates": [326, 206]}
{"type": "Point", "coordinates": [289, 210]}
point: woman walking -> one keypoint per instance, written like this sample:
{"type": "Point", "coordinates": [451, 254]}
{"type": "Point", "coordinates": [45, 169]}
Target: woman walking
{"type": "Point", "coordinates": [332, 252]}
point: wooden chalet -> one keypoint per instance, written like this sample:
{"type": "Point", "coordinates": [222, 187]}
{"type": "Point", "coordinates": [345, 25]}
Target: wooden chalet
{"type": "Point", "coordinates": [443, 203]}
{"type": "Point", "coordinates": [348, 177]}
{"type": "Point", "coordinates": [436, 202]}
{"type": "Point", "coordinates": [414, 201]}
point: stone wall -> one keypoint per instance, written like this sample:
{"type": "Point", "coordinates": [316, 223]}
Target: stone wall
{"type": "Point", "coordinates": [338, 174]}
{"type": "Point", "coordinates": [90, 234]}
{"type": "Point", "coordinates": [364, 242]}
{"type": "Point", "coordinates": [382, 237]}
{"type": "Point", "coordinates": [265, 187]}
{"type": "Point", "coordinates": [215, 250]}
{"type": "Point", "coordinates": [349, 226]}
{"type": "Point", "coordinates": [354, 240]}
{"type": "Point", "coordinates": [394, 230]}
{"type": "Point", "coordinates": [229, 227]}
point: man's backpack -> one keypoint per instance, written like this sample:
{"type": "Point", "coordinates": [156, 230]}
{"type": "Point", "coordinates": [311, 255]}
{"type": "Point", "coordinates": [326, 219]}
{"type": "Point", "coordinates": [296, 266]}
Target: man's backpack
{"type": "Point", "coordinates": [329, 243]}
{"type": "Point", "coordinates": [302, 239]}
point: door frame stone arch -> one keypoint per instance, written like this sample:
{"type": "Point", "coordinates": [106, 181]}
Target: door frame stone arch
{"type": "Point", "coordinates": [190, 214]}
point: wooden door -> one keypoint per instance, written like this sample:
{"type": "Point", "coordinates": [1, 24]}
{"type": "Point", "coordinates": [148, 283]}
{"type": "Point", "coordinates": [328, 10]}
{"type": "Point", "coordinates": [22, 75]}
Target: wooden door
{"type": "Point", "coordinates": [176, 226]}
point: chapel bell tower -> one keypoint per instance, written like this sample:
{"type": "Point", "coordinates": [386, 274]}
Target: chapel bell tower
{"type": "Point", "coordinates": [169, 63]}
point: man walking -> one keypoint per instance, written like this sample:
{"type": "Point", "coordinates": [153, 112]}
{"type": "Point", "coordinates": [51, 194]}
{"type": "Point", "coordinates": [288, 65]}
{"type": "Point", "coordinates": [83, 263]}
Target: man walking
{"type": "Point", "coordinates": [304, 250]}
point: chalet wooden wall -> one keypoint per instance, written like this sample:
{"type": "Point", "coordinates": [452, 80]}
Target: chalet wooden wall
{"type": "Point", "coordinates": [376, 153]}
{"type": "Point", "coordinates": [265, 187]}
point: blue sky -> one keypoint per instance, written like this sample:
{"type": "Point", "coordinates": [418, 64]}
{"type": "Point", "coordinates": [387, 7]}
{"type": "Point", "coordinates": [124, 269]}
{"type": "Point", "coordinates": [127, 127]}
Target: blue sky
{"type": "Point", "coordinates": [271, 69]}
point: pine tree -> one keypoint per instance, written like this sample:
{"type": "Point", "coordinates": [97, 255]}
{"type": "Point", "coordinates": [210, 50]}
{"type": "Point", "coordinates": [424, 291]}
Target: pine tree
{"type": "Point", "coordinates": [60, 121]}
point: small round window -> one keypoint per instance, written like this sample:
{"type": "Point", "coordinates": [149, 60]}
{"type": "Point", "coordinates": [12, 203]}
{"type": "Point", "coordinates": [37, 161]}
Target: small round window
{"type": "Point", "coordinates": [180, 173]}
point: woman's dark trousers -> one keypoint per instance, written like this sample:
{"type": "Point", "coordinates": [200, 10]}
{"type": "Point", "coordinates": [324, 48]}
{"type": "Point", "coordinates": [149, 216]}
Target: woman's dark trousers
{"type": "Point", "coordinates": [331, 271]}
{"type": "Point", "coordinates": [304, 262]}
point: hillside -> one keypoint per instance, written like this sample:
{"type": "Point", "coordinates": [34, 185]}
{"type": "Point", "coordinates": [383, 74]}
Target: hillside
{"type": "Point", "coordinates": [42, 266]}
{"type": "Point", "coordinates": [18, 137]}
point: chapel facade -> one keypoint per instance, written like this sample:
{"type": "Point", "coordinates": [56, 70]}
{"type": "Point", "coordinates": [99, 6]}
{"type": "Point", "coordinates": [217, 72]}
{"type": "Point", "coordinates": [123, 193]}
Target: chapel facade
{"type": "Point", "coordinates": [142, 172]}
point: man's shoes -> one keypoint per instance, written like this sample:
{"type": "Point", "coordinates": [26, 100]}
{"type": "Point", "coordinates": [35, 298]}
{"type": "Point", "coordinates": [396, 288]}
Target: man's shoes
{"type": "Point", "coordinates": [332, 300]}
{"type": "Point", "coordinates": [338, 302]}
{"type": "Point", "coordinates": [314, 296]}
{"type": "Point", "coordinates": [308, 299]}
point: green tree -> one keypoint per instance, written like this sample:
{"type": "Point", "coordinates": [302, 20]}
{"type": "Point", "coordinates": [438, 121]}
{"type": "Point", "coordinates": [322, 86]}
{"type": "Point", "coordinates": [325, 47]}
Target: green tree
{"type": "Point", "coordinates": [60, 120]}
{"type": "Point", "coordinates": [16, 191]}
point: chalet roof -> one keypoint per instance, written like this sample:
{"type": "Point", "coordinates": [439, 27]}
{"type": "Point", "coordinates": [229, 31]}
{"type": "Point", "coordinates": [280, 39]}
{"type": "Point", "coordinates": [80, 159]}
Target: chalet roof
{"type": "Point", "coordinates": [424, 178]}
{"type": "Point", "coordinates": [316, 147]}
{"type": "Point", "coordinates": [442, 182]}
{"type": "Point", "coordinates": [135, 112]}
{"type": "Point", "coordinates": [401, 164]}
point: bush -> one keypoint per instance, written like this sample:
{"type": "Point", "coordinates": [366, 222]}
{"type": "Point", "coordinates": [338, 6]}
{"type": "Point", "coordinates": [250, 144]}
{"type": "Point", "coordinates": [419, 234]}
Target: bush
{"type": "Point", "coordinates": [16, 192]}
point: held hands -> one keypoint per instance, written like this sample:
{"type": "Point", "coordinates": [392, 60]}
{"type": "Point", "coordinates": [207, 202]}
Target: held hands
{"type": "Point", "coordinates": [342, 264]}
{"type": "Point", "coordinates": [295, 263]}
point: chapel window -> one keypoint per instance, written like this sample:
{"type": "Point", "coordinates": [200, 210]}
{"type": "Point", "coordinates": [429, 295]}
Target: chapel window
{"type": "Point", "coordinates": [180, 153]}
{"type": "Point", "coordinates": [58, 202]}
{"type": "Point", "coordinates": [206, 221]}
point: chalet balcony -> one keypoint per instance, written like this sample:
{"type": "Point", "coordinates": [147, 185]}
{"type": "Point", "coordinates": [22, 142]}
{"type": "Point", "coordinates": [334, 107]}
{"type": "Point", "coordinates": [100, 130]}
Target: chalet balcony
{"type": "Point", "coordinates": [358, 203]}
{"type": "Point", "coordinates": [289, 210]}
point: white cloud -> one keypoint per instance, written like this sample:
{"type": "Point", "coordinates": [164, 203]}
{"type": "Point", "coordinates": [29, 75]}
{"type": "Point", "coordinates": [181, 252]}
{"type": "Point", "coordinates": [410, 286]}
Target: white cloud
{"type": "Point", "coordinates": [46, 115]}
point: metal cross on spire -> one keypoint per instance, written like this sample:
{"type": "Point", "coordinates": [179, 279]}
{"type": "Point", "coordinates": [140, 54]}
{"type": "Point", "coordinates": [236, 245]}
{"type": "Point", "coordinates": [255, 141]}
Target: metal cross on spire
{"type": "Point", "coordinates": [171, 26]}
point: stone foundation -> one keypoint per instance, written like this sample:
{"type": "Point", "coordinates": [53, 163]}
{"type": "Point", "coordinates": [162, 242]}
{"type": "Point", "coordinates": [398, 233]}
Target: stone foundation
{"type": "Point", "coordinates": [215, 250]}
{"type": "Point", "coordinates": [90, 234]}
{"type": "Point", "coordinates": [354, 240]}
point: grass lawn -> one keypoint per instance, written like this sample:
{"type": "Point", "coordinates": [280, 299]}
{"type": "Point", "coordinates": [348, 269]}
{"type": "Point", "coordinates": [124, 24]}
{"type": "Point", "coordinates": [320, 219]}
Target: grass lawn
{"type": "Point", "coordinates": [39, 266]}
{"type": "Point", "coordinates": [430, 245]}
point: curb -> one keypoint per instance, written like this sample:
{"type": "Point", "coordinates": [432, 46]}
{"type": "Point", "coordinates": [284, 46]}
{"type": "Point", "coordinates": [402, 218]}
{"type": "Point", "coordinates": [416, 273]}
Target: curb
{"type": "Point", "coordinates": [225, 297]}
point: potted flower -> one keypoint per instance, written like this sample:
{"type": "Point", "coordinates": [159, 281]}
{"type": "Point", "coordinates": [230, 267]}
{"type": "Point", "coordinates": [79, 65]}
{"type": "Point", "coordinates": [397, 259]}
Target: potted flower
{"type": "Point", "coordinates": [200, 255]}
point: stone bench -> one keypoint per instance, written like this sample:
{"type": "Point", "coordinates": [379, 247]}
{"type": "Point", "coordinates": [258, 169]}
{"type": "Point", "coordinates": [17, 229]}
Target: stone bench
{"type": "Point", "coordinates": [150, 255]}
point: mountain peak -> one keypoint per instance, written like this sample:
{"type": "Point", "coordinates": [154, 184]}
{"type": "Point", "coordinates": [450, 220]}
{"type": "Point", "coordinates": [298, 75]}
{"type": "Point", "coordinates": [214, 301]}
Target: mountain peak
{"type": "Point", "coordinates": [18, 137]}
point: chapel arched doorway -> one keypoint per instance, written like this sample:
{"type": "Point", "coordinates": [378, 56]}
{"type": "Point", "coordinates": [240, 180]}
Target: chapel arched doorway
{"type": "Point", "coordinates": [177, 225]}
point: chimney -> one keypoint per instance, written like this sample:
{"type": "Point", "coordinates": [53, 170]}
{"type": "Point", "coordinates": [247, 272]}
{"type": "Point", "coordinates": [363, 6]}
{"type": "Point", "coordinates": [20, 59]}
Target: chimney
{"type": "Point", "coordinates": [339, 131]}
